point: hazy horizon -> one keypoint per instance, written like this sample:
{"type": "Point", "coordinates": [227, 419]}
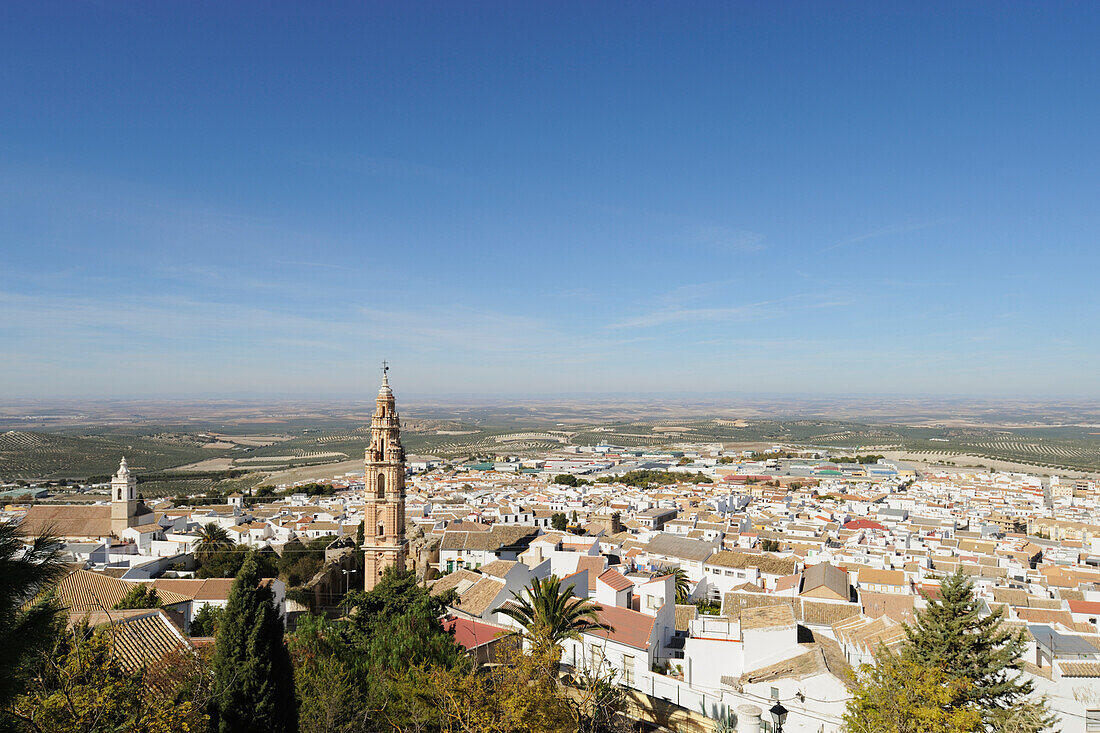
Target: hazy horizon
{"type": "Point", "coordinates": [412, 396]}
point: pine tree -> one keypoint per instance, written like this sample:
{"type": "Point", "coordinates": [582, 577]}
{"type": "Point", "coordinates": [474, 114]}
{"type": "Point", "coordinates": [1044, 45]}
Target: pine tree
{"type": "Point", "coordinates": [950, 633]}
{"type": "Point", "coordinates": [253, 677]}
{"type": "Point", "coordinates": [397, 624]}
{"type": "Point", "coordinates": [205, 622]}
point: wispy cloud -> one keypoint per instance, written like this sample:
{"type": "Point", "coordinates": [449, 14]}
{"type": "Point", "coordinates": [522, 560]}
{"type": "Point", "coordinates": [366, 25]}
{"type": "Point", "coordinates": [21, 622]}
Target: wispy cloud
{"type": "Point", "coordinates": [725, 239]}
{"type": "Point", "coordinates": [741, 313]}
{"type": "Point", "coordinates": [52, 324]}
{"type": "Point", "coordinates": [327, 265]}
{"type": "Point", "coordinates": [884, 233]}
{"type": "Point", "coordinates": [383, 168]}
{"type": "Point", "coordinates": [695, 291]}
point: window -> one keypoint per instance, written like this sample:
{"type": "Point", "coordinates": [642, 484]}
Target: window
{"type": "Point", "coordinates": [775, 693]}
{"type": "Point", "coordinates": [595, 656]}
{"type": "Point", "coordinates": [381, 529]}
{"type": "Point", "coordinates": [381, 486]}
{"type": "Point", "coordinates": [1092, 721]}
{"type": "Point", "coordinates": [628, 669]}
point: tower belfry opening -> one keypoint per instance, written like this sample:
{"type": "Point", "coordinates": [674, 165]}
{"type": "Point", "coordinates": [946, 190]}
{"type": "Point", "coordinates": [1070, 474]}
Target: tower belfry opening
{"type": "Point", "coordinates": [124, 500]}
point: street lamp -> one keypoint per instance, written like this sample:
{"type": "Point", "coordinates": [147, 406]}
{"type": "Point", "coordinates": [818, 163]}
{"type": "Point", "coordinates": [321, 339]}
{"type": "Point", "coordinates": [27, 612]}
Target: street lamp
{"type": "Point", "coordinates": [347, 587]}
{"type": "Point", "coordinates": [779, 716]}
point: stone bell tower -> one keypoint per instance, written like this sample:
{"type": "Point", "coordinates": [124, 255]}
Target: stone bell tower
{"type": "Point", "coordinates": [124, 501]}
{"type": "Point", "coordinates": [384, 542]}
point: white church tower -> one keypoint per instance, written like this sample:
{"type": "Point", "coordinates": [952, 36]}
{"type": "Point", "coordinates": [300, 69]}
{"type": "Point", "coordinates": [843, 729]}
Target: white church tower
{"type": "Point", "coordinates": [124, 501]}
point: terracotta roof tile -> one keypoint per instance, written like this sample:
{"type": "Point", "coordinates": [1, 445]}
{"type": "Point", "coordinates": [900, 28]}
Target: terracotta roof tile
{"type": "Point", "coordinates": [766, 563]}
{"type": "Point", "coordinates": [629, 627]}
{"type": "Point", "coordinates": [615, 579]}
{"type": "Point", "coordinates": [685, 614]}
{"type": "Point", "coordinates": [766, 617]}
{"type": "Point", "coordinates": [141, 638]}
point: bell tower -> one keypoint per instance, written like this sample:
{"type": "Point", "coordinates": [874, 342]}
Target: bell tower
{"type": "Point", "coordinates": [384, 542]}
{"type": "Point", "coordinates": [124, 501]}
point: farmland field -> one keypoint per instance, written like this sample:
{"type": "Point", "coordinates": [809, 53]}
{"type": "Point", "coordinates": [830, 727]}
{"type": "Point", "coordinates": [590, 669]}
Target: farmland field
{"type": "Point", "coordinates": [257, 440]}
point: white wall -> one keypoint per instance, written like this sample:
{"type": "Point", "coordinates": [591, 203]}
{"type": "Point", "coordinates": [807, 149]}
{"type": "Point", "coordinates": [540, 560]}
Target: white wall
{"type": "Point", "coordinates": [707, 660]}
{"type": "Point", "coordinates": [768, 646]}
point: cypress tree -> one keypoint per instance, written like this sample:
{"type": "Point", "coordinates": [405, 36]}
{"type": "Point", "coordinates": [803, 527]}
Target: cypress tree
{"type": "Point", "coordinates": [951, 633]}
{"type": "Point", "coordinates": [253, 677]}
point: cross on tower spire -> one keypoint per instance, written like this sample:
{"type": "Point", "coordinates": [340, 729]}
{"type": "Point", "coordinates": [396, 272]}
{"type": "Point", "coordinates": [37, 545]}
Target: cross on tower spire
{"type": "Point", "coordinates": [385, 372]}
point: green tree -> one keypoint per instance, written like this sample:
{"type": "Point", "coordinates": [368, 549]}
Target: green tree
{"type": "Point", "coordinates": [549, 614]}
{"type": "Point", "coordinates": [143, 595]}
{"type": "Point", "coordinates": [205, 622]}
{"type": "Point", "coordinates": [223, 563]}
{"type": "Point", "coordinates": [397, 624]}
{"type": "Point", "coordinates": [227, 563]}
{"type": "Point", "coordinates": [897, 694]}
{"type": "Point", "coordinates": [683, 586]}
{"type": "Point", "coordinates": [330, 696]}
{"type": "Point", "coordinates": [559, 522]}
{"type": "Point", "coordinates": [951, 633]}
{"type": "Point", "coordinates": [645, 478]}
{"type": "Point", "coordinates": [316, 488]}
{"type": "Point", "coordinates": [367, 672]}
{"type": "Point", "coordinates": [512, 697]}
{"type": "Point", "coordinates": [1028, 716]}
{"type": "Point", "coordinates": [567, 479]}
{"type": "Point", "coordinates": [253, 677]}
{"type": "Point", "coordinates": [301, 561]}
{"type": "Point", "coordinates": [29, 568]}
{"type": "Point", "coordinates": [359, 534]}
{"type": "Point", "coordinates": [768, 545]}
{"type": "Point", "coordinates": [212, 540]}
{"type": "Point", "coordinates": [79, 687]}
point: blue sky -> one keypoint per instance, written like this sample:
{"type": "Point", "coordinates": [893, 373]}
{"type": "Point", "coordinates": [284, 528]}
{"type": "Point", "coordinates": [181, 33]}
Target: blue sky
{"type": "Point", "coordinates": [201, 198]}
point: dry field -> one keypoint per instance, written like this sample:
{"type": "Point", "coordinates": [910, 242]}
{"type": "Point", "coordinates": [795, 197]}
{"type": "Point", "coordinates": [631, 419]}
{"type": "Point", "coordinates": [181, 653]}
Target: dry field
{"type": "Point", "coordinates": [250, 441]}
{"type": "Point", "coordinates": [964, 462]}
{"type": "Point", "coordinates": [314, 473]}
{"type": "Point", "coordinates": [210, 464]}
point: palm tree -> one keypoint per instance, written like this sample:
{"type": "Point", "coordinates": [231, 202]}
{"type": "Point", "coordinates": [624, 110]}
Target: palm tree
{"type": "Point", "coordinates": [683, 586]}
{"type": "Point", "coordinates": [550, 614]}
{"type": "Point", "coordinates": [28, 610]}
{"type": "Point", "coordinates": [212, 539]}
